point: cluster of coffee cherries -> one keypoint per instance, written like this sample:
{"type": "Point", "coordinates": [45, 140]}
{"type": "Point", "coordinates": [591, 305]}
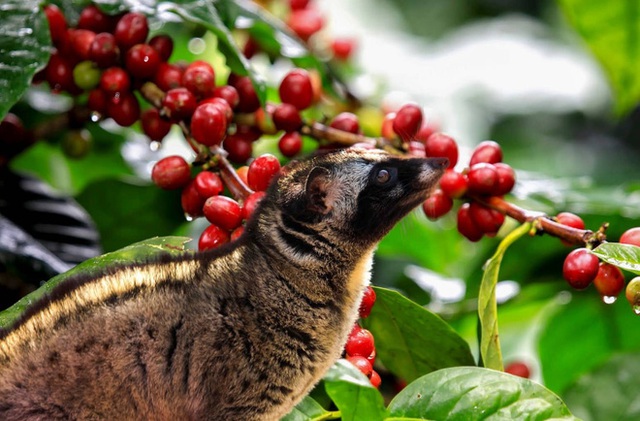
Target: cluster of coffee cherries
{"type": "Point", "coordinates": [360, 348]}
{"type": "Point", "coordinates": [582, 267]}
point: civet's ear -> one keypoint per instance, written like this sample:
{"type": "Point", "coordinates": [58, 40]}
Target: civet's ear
{"type": "Point", "coordinates": [318, 189]}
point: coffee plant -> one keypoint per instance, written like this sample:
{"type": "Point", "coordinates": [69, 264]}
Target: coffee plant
{"type": "Point", "coordinates": [157, 125]}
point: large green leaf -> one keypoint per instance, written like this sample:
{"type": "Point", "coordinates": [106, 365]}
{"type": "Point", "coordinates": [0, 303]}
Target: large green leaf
{"type": "Point", "coordinates": [611, 392]}
{"type": "Point", "coordinates": [611, 29]}
{"type": "Point", "coordinates": [581, 334]}
{"type": "Point", "coordinates": [473, 393]}
{"type": "Point", "coordinates": [353, 394]}
{"type": "Point", "coordinates": [625, 256]}
{"type": "Point", "coordinates": [410, 340]}
{"type": "Point", "coordinates": [307, 410]}
{"type": "Point", "coordinates": [487, 305]}
{"type": "Point", "coordinates": [24, 48]}
{"type": "Point", "coordinates": [134, 252]}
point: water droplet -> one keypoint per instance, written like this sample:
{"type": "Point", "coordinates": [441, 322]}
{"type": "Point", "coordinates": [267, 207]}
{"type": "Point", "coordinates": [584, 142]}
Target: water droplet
{"type": "Point", "coordinates": [609, 299]}
{"type": "Point", "coordinates": [636, 309]}
{"type": "Point", "coordinates": [189, 218]}
{"type": "Point", "coordinates": [95, 117]}
{"type": "Point", "coordinates": [154, 145]}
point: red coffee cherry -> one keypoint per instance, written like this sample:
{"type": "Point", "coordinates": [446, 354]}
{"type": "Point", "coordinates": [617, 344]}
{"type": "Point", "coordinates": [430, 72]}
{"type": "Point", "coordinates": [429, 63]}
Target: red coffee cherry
{"type": "Point", "coordinates": [386, 130]}
{"type": "Point", "coordinates": [238, 147]}
{"type": "Point", "coordinates": [168, 76]}
{"type": "Point", "coordinates": [208, 124]}
{"type": "Point", "coordinates": [407, 121]}
{"type": "Point", "coordinates": [163, 44]}
{"type": "Point", "coordinates": [104, 50]}
{"type": "Point", "coordinates": [296, 89]}
{"type": "Point", "coordinates": [342, 48]}
{"type": "Point", "coordinates": [81, 40]}
{"type": "Point", "coordinates": [506, 178]}
{"type": "Point", "coordinates": [290, 144]}
{"type": "Point", "coordinates": [94, 19]}
{"type": "Point", "coordinates": [200, 79]}
{"type": "Point", "coordinates": [375, 379]}
{"type": "Point", "coordinates": [305, 22]}
{"type": "Point", "coordinates": [154, 126]}
{"type": "Point", "coordinates": [360, 342]}
{"type": "Point", "coordinates": [442, 145]}
{"type": "Point", "coordinates": [437, 205]}
{"type": "Point", "coordinates": [580, 268]}
{"type": "Point", "coordinates": [131, 29]}
{"type": "Point", "coordinates": [212, 237]}
{"type": "Point", "coordinates": [361, 363]}
{"type": "Point", "coordinates": [192, 203]}
{"type": "Point", "coordinates": [631, 236]}
{"type": "Point", "coordinates": [453, 184]}
{"type": "Point", "coordinates": [223, 212]}
{"type": "Point", "coordinates": [97, 101]}
{"type": "Point", "coordinates": [171, 172]}
{"type": "Point", "coordinates": [229, 94]}
{"type": "Point", "coordinates": [609, 281]}
{"type": "Point", "coordinates": [466, 227]}
{"type": "Point", "coordinates": [416, 148]}
{"type": "Point", "coordinates": [368, 300]}
{"type": "Point", "coordinates": [261, 171]}
{"type": "Point", "coordinates": [482, 178]}
{"type": "Point", "coordinates": [57, 23]}
{"type": "Point", "coordinates": [115, 80]}
{"type": "Point", "coordinates": [485, 219]}
{"type": "Point", "coordinates": [347, 122]}
{"type": "Point", "coordinates": [298, 4]}
{"type": "Point", "coordinates": [236, 233]}
{"type": "Point", "coordinates": [248, 99]}
{"type": "Point", "coordinates": [251, 203]}
{"type": "Point", "coordinates": [179, 104]}
{"type": "Point", "coordinates": [59, 74]}
{"type": "Point", "coordinates": [124, 109]}
{"type": "Point", "coordinates": [208, 184]}
{"type": "Point", "coordinates": [487, 151]}
{"type": "Point", "coordinates": [287, 117]}
{"type": "Point", "coordinates": [222, 104]}
{"type": "Point", "coordinates": [571, 220]}
{"type": "Point", "coordinates": [518, 368]}
{"type": "Point", "coordinates": [142, 61]}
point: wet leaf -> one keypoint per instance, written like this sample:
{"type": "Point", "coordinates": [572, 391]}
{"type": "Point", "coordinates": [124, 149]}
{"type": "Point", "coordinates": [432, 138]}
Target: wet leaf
{"type": "Point", "coordinates": [625, 256]}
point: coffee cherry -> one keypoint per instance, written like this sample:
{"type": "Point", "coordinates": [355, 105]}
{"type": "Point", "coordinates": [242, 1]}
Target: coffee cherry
{"type": "Point", "coordinates": [200, 79]}
{"type": "Point", "coordinates": [342, 48]}
{"type": "Point", "coordinates": [192, 203]}
{"type": "Point", "coordinates": [518, 368]}
{"type": "Point", "coordinates": [482, 178]}
{"type": "Point", "coordinates": [14, 137]}
{"type": "Point", "coordinates": [360, 342]}
{"type": "Point", "coordinates": [248, 99]}
{"type": "Point", "coordinates": [171, 172]}
{"type": "Point", "coordinates": [506, 178]}
{"type": "Point", "coordinates": [609, 281]}
{"type": "Point", "coordinates": [85, 75]}
{"type": "Point", "coordinates": [287, 117]}
{"type": "Point", "coordinates": [131, 29]}
{"type": "Point", "coordinates": [208, 124]}
{"type": "Point", "coordinates": [104, 50]}
{"type": "Point", "coordinates": [632, 293]}
{"type": "Point", "coordinates": [115, 80]}
{"type": "Point", "coordinates": [229, 94]}
{"type": "Point", "coordinates": [571, 220]}
{"type": "Point", "coordinates": [223, 212]}
{"type": "Point", "coordinates": [222, 104]}
{"type": "Point", "coordinates": [238, 147]}
{"type": "Point", "coordinates": [631, 236]}
{"type": "Point", "coordinates": [305, 22]}
{"type": "Point", "coordinates": [386, 130]}
{"type": "Point", "coordinates": [168, 76]}
{"type": "Point", "coordinates": [179, 104]}
{"type": "Point", "coordinates": [57, 22]}
{"type": "Point", "coordinates": [466, 227]}
{"type": "Point", "coordinates": [81, 40]}
{"type": "Point", "coordinates": [442, 145]}
{"type": "Point", "coordinates": [368, 300]}
{"type": "Point", "coordinates": [437, 205]}
{"type": "Point", "coordinates": [407, 121]}
{"type": "Point", "coordinates": [298, 4]}
{"type": "Point", "coordinates": [261, 171]}
{"type": "Point", "coordinates": [124, 109]}
{"type": "Point", "coordinates": [153, 125]}
{"type": "Point", "coordinates": [208, 184]}
{"type": "Point", "coordinates": [487, 151]}
{"type": "Point", "coordinates": [94, 19]}
{"type": "Point", "coordinates": [296, 89]}
{"type": "Point", "coordinates": [212, 237]}
{"type": "Point", "coordinates": [59, 74]}
{"type": "Point", "coordinates": [251, 203]}
{"type": "Point", "coordinates": [290, 144]}
{"type": "Point", "coordinates": [361, 363]}
{"type": "Point", "coordinates": [372, 357]}
{"type": "Point", "coordinates": [97, 101]}
{"type": "Point", "coordinates": [580, 268]}
{"type": "Point", "coordinates": [236, 233]}
{"type": "Point", "coordinates": [163, 44]}
{"type": "Point", "coordinates": [375, 379]}
{"type": "Point", "coordinates": [485, 219]}
{"type": "Point", "coordinates": [142, 61]}
{"type": "Point", "coordinates": [347, 122]}
{"type": "Point", "coordinates": [453, 184]}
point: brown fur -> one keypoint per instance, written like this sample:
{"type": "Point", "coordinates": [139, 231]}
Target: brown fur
{"type": "Point", "coordinates": [238, 333]}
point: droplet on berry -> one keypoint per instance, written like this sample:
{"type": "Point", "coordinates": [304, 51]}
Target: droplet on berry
{"type": "Point", "coordinates": [580, 268]}
{"type": "Point", "coordinates": [142, 61]}
{"type": "Point", "coordinates": [609, 281]}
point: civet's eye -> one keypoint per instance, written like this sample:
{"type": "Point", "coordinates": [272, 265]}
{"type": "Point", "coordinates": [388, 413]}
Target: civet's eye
{"type": "Point", "coordinates": [383, 176]}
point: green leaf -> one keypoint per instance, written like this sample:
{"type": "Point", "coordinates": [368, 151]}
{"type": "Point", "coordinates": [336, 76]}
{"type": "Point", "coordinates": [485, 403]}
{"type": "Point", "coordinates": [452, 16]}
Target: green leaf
{"type": "Point", "coordinates": [24, 48]}
{"type": "Point", "coordinates": [353, 394]}
{"type": "Point", "coordinates": [412, 341]}
{"type": "Point", "coordinates": [625, 256]}
{"type": "Point", "coordinates": [142, 211]}
{"type": "Point", "coordinates": [135, 252]}
{"type": "Point", "coordinates": [612, 391]}
{"type": "Point", "coordinates": [615, 45]}
{"type": "Point", "coordinates": [490, 352]}
{"type": "Point", "coordinates": [473, 393]}
{"type": "Point", "coordinates": [307, 410]}
{"type": "Point", "coordinates": [582, 334]}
